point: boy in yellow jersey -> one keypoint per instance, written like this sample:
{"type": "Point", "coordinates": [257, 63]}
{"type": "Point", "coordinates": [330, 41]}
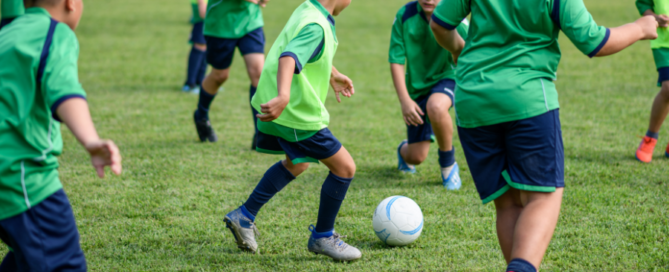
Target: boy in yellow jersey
{"type": "Point", "coordinates": [293, 121]}
{"type": "Point", "coordinates": [10, 9]}
{"type": "Point", "coordinates": [659, 9]}
{"type": "Point", "coordinates": [197, 61]}
{"type": "Point", "coordinates": [39, 89]}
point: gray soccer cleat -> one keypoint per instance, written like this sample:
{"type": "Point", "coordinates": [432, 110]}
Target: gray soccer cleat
{"type": "Point", "coordinates": [243, 229]}
{"type": "Point", "coordinates": [333, 247]}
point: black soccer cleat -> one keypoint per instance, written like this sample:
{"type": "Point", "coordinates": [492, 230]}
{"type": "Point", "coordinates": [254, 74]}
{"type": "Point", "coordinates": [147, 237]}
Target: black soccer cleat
{"type": "Point", "coordinates": [204, 130]}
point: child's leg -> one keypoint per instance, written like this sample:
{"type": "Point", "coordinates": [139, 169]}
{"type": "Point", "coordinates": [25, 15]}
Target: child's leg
{"type": "Point", "coordinates": [342, 169]}
{"type": "Point", "coordinates": [415, 153]}
{"type": "Point", "coordinates": [508, 207]}
{"type": "Point", "coordinates": [195, 58]}
{"type": "Point", "coordinates": [275, 179]}
{"type": "Point", "coordinates": [202, 71]}
{"type": "Point", "coordinates": [660, 109]}
{"type": "Point", "coordinates": [254, 64]}
{"type": "Point", "coordinates": [442, 124]}
{"type": "Point", "coordinates": [536, 224]}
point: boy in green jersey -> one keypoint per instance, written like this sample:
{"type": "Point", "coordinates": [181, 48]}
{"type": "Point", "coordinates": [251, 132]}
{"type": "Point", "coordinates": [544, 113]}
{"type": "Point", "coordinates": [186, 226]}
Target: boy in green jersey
{"type": "Point", "coordinates": [230, 24]}
{"type": "Point", "coordinates": [507, 107]}
{"type": "Point", "coordinates": [659, 9]}
{"type": "Point", "coordinates": [39, 89]}
{"type": "Point", "coordinates": [425, 90]}
{"type": "Point", "coordinates": [9, 10]}
{"type": "Point", "coordinates": [293, 121]}
{"type": "Point", "coordinates": [197, 61]}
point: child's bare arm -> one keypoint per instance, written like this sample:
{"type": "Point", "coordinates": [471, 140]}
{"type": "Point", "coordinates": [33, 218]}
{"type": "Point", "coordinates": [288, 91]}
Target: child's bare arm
{"type": "Point", "coordinates": [341, 84]}
{"type": "Point", "coordinates": [74, 113]}
{"type": "Point", "coordinates": [202, 8]}
{"type": "Point", "coordinates": [273, 108]}
{"type": "Point", "coordinates": [662, 20]}
{"type": "Point", "coordinates": [623, 36]}
{"type": "Point", "coordinates": [448, 39]}
{"type": "Point", "coordinates": [411, 112]}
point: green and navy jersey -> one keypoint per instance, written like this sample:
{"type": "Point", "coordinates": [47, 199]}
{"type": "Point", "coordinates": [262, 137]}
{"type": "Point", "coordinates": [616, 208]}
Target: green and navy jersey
{"type": "Point", "coordinates": [658, 7]}
{"type": "Point", "coordinates": [413, 44]}
{"type": "Point", "coordinates": [512, 53]}
{"type": "Point", "coordinates": [306, 110]}
{"type": "Point", "coordinates": [11, 8]}
{"type": "Point", "coordinates": [232, 19]}
{"type": "Point", "coordinates": [37, 75]}
{"type": "Point", "coordinates": [196, 12]}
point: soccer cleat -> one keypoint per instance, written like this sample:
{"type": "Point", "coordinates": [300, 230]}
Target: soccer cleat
{"type": "Point", "coordinates": [187, 88]}
{"type": "Point", "coordinates": [401, 164]}
{"type": "Point", "coordinates": [195, 90]}
{"type": "Point", "coordinates": [243, 229]}
{"type": "Point", "coordinates": [453, 181]}
{"type": "Point", "coordinates": [666, 152]}
{"type": "Point", "coordinates": [645, 151]}
{"type": "Point", "coordinates": [204, 130]}
{"type": "Point", "coordinates": [332, 247]}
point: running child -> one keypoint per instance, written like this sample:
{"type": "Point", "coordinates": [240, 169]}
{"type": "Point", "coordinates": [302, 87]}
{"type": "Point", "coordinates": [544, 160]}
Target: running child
{"type": "Point", "coordinates": [507, 106]}
{"type": "Point", "coordinates": [9, 10]}
{"type": "Point", "coordinates": [293, 121]}
{"type": "Point", "coordinates": [425, 90]}
{"type": "Point", "coordinates": [230, 24]}
{"type": "Point", "coordinates": [659, 9]}
{"type": "Point", "coordinates": [197, 61]}
{"type": "Point", "coordinates": [39, 90]}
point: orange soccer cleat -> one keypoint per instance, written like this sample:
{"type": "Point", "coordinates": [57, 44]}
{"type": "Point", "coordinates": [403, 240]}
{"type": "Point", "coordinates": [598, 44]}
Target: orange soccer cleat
{"type": "Point", "coordinates": [645, 151]}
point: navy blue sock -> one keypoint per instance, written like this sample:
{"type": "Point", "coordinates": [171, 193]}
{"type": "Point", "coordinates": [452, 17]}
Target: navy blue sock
{"type": "Point", "coordinates": [447, 158]}
{"type": "Point", "coordinates": [252, 92]}
{"type": "Point", "coordinates": [202, 71]}
{"type": "Point", "coordinates": [271, 183]}
{"type": "Point", "coordinates": [9, 263]}
{"type": "Point", "coordinates": [654, 135]}
{"type": "Point", "coordinates": [194, 63]}
{"type": "Point", "coordinates": [520, 265]}
{"type": "Point", "coordinates": [333, 193]}
{"type": "Point", "coordinates": [203, 105]}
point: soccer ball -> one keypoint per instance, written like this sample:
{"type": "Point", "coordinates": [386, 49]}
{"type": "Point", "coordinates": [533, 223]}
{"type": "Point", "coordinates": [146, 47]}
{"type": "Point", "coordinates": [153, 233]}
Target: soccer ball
{"type": "Point", "coordinates": [398, 221]}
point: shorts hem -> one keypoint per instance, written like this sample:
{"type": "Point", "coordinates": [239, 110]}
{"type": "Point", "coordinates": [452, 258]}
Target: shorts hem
{"type": "Point", "coordinates": [304, 160]}
{"type": "Point", "coordinates": [525, 187]}
{"type": "Point", "coordinates": [497, 194]}
{"type": "Point", "coordinates": [267, 151]}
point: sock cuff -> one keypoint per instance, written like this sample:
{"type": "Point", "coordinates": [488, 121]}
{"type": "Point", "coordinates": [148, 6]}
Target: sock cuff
{"type": "Point", "coordinates": [206, 94]}
{"type": "Point", "coordinates": [336, 187]}
{"type": "Point", "coordinates": [654, 135]}
{"type": "Point", "coordinates": [447, 158]}
{"type": "Point", "coordinates": [247, 213]}
{"type": "Point", "coordinates": [287, 174]}
{"type": "Point", "coordinates": [520, 265]}
{"type": "Point", "coordinates": [253, 88]}
{"type": "Point", "coordinates": [338, 178]}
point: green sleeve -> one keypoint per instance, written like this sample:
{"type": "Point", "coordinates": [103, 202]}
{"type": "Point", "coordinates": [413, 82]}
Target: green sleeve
{"type": "Point", "coordinates": [306, 46]}
{"type": "Point", "coordinates": [643, 5]}
{"type": "Point", "coordinates": [11, 8]}
{"type": "Point", "coordinates": [396, 53]}
{"type": "Point", "coordinates": [579, 26]}
{"type": "Point", "coordinates": [61, 77]}
{"type": "Point", "coordinates": [450, 13]}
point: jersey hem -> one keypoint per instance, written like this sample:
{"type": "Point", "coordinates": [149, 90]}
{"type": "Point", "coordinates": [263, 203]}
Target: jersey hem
{"type": "Point", "coordinates": [34, 203]}
{"type": "Point", "coordinates": [510, 118]}
{"type": "Point", "coordinates": [206, 33]}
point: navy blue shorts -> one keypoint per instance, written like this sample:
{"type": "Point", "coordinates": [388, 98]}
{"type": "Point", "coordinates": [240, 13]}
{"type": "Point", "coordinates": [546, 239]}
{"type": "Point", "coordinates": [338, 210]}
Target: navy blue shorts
{"type": "Point", "coordinates": [197, 34]}
{"type": "Point", "coordinates": [43, 238]}
{"type": "Point", "coordinates": [318, 147]}
{"type": "Point", "coordinates": [220, 51]}
{"type": "Point", "coordinates": [526, 155]}
{"type": "Point", "coordinates": [420, 133]}
{"type": "Point", "coordinates": [663, 75]}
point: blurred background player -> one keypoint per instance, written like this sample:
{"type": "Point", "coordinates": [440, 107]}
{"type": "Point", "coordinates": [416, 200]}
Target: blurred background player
{"type": "Point", "coordinates": [197, 59]}
{"type": "Point", "coordinates": [427, 88]}
{"type": "Point", "coordinates": [9, 10]}
{"type": "Point", "coordinates": [507, 106]}
{"type": "Point", "coordinates": [39, 89]}
{"type": "Point", "coordinates": [291, 96]}
{"type": "Point", "coordinates": [230, 24]}
{"type": "Point", "coordinates": [659, 9]}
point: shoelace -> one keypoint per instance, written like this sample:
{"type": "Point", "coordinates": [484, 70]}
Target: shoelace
{"type": "Point", "coordinates": [336, 237]}
{"type": "Point", "coordinates": [255, 229]}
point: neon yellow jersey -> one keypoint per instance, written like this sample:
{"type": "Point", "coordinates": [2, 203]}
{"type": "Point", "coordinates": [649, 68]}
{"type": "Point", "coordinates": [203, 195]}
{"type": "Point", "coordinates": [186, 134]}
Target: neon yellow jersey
{"type": "Point", "coordinates": [662, 41]}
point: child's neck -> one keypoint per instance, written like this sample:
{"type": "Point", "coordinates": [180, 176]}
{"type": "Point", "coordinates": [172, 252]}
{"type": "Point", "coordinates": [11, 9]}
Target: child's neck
{"type": "Point", "coordinates": [329, 5]}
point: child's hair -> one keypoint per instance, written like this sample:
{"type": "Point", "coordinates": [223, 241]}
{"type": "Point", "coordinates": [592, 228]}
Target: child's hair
{"type": "Point", "coordinates": [40, 3]}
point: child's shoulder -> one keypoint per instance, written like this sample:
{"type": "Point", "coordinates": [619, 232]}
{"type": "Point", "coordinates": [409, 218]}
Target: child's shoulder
{"type": "Point", "coordinates": [407, 11]}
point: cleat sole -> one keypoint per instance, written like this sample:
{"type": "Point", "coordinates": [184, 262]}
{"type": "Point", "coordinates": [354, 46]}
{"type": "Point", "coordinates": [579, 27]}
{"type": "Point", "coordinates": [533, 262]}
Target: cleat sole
{"type": "Point", "coordinates": [240, 243]}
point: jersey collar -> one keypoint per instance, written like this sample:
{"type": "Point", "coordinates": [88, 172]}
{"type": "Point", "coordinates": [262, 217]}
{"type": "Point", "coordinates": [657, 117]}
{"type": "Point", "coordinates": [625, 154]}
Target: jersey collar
{"type": "Point", "coordinates": [37, 10]}
{"type": "Point", "coordinates": [324, 11]}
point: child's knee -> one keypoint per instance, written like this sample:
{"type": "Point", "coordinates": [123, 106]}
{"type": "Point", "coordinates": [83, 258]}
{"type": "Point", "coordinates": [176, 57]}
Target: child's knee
{"type": "Point", "coordinates": [200, 46]}
{"type": "Point", "coordinates": [220, 76]}
{"type": "Point", "coordinates": [664, 91]}
{"type": "Point", "coordinates": [346, 170]}
{"type": "Point", "coordinates": [296, 169]}
{"type": "Point", "coordinates": [437, 110]}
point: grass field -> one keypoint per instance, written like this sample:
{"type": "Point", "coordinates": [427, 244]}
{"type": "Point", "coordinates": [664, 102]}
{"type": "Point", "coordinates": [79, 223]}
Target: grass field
{"type": "Point", "coordinates": [165, 212]}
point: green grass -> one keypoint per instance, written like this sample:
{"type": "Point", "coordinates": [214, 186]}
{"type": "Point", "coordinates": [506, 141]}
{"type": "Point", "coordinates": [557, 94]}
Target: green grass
{"type": "Point", "coordinates": [165, 212]}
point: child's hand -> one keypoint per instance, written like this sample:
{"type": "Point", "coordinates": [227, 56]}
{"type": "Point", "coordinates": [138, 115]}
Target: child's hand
{"type": "Point", "coordinates": [104, 153]}
{"type": "Point", "coordinates": [648, 26]}
{"type": "Point", "coordinates": [662, 20]}
{"type": "Point", "coordinates": [412, 113]}
{"type": "Point", "coordinates": [261, 3]}
{"type": "Point", "coordinates": [341, 84]}
{"type": "Point", "coordinates": [272, 109]}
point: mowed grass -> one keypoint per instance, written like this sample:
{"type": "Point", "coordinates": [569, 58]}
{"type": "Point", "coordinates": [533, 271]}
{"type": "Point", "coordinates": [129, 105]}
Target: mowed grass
{"type": "Point", "coordinates": [166, 211]}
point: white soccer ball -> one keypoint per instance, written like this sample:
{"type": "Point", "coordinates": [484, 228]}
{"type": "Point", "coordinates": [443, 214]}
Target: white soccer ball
{"type": "Point", "coordinates": [398, 221]}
